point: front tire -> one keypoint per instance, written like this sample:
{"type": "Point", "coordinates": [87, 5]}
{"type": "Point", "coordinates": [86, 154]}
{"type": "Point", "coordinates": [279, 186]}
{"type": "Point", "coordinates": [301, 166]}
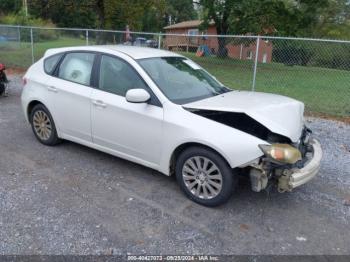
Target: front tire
{"type": "Point", "coordinates": [204, 176]}
{"type": "Point", "coordinates": [43, 126]}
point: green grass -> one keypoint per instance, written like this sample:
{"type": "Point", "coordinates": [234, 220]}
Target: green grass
{"type": "Point", "coordinates": [325, 91]}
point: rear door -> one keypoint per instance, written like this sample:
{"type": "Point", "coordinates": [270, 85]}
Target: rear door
{"type": "Point", "coordinates": [71, 90]}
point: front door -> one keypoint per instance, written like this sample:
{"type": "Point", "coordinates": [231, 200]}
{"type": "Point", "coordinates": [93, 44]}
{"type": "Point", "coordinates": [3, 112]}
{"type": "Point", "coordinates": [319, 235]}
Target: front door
{"type": "Point", "coordinates": [132, 130]}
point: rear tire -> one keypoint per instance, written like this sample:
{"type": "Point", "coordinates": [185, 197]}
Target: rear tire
{"type": "Point", "coordinates": [2, 89]}
{"type": "Point", "coordinates": [204, 176]}
{"type": "Point", "coordinates": [43, 126]}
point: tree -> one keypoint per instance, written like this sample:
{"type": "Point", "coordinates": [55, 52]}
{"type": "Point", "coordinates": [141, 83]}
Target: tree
{"type": "Point", "coordinates": [257, 17]}
{"type": "Point", "coordinates": [178, 11]}
{"type": "Point", "coordinates": [333, 22]}
{"type": "Point", "coordinates": [64, 13]}
{"type": "Point", "coordinates": [120, 13]}
{"type": "Point", "coordinates": [139, 15]}
{"type": "Point", "coordinates": [306, 18]}
{"type": "Point", "coordinates": [71, 13]}
{"type": "Point", "coordinates": [220, 12]}
{"type": "Point", "coordinates": [301, 16]}
{"type": "Point", "coordinates": [39, 8]}
{"type": "Point", "coordinates": [10, 6]}
{"type": "Point", "coordinates": [153, 18]}
{"type": "Point", "coordinates": [286, 17]}
{"type": "Point", "coordinates": [262, 17]}
{"type": "Point", "coordinates": [100, 10]}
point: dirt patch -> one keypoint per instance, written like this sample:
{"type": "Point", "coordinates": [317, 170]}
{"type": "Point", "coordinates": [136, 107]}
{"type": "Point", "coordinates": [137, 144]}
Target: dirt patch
{"type": "Point", "coordinates": [15, 71]}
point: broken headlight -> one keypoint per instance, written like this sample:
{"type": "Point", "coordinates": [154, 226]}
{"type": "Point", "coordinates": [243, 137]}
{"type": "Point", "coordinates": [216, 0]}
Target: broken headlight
{"type": "Point", "coordinates": [283, 153]}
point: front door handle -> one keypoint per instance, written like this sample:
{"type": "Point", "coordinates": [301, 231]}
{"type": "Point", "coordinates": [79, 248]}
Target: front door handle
{"type": "Point", "coordinates": [52, 89]}
{"type": "Point", "coordinates": [99, 103]}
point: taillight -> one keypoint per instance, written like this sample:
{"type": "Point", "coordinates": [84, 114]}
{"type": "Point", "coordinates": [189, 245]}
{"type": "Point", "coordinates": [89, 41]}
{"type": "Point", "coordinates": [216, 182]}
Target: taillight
{"type": "Point", "coordinates": [24, 81]}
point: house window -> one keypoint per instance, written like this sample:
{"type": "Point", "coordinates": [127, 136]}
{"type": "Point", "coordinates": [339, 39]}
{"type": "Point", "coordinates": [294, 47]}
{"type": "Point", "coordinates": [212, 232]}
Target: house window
{"type": "Point", "coordinates": [250, 55]}
{"type": "Point", "coordinates": [193, 33]}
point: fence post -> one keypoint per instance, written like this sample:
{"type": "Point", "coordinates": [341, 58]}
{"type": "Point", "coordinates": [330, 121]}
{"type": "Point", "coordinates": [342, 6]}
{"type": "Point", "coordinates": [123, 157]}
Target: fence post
{"type": "Point", "coordinates": [256, 62]}
{"type": "Point", "coordinates": [19, 35]}
{"type": "Point", "coordinates": [87, 37]}
{"type": "Point", "coordinates": [159, 40]}
{"type": "Point", "coordinates": [241, 52]}
{"type": "Point", "coordinates": [32, 44]}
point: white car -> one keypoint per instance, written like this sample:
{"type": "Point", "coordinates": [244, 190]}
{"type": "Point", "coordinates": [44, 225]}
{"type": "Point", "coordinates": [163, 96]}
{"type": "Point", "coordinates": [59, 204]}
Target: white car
{"type": "Point", "coordinates": [163, 111]}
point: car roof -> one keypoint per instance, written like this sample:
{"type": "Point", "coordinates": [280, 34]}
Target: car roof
{"type": "Point", "coordinates": [136, 52]}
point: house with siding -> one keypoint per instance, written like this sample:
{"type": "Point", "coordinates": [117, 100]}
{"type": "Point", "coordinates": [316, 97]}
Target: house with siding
{"type": "Point", "coordinates": [191, 39]}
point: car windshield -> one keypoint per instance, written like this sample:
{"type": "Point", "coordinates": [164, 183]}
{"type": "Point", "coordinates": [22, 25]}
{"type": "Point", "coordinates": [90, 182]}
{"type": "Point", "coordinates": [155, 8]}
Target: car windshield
{"type": "Point", "coordinates": [181, 80]}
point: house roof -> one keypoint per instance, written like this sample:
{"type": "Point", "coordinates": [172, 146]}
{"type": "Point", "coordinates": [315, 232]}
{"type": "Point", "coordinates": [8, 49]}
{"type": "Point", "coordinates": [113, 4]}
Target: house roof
{"type": "Point", "coordinates": [197, 23]}
{"type": "Point", "coordinates": [185, 24]}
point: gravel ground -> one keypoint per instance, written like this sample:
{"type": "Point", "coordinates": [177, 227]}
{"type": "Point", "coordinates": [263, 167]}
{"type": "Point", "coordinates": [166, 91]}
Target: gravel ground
{"type": "Point", "coordinates": [70, 199]}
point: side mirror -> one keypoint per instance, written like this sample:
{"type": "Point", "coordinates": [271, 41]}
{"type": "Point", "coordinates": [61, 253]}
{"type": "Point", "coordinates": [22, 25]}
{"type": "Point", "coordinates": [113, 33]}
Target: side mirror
{"type": "Point", "coordinates": [137, 96]}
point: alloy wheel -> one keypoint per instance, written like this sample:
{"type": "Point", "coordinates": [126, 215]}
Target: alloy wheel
{"type": "Point", "coordinates": [42, 125]}
{"type": "Point", "coordinates": [202, 177]}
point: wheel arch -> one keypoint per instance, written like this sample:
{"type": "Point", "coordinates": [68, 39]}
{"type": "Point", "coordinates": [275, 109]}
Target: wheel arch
{"type": "Point", "coordinates": [182, 147]}
{"type": "Point", "coordinates": [31, 105]}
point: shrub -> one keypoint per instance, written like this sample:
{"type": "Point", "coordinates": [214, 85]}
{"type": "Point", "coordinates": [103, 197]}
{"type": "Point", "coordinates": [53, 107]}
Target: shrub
{"type": "Point", "coordinates": [39, 35]}
{"type": "Point", "coordinates": [292, 52]}
{"type": "Point", "coordinates": [312, 53]}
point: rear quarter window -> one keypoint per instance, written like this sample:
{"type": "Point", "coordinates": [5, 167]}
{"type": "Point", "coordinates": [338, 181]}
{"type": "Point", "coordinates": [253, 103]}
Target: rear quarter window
{"type": "Point", "coordinates": [50, 63]}
{"type": "Point", "coordinates": [76, 67]}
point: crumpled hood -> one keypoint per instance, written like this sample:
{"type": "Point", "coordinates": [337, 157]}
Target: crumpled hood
{"type": "Point", "coordinates": [281, 115]}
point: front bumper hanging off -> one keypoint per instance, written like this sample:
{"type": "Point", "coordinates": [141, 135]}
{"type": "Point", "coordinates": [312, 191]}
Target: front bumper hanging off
{"type": "Point", "coordinates": [292, 178]}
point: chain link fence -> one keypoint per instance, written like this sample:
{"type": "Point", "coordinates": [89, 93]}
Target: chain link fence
{"type": "Point", "coordinates": [315, 71]}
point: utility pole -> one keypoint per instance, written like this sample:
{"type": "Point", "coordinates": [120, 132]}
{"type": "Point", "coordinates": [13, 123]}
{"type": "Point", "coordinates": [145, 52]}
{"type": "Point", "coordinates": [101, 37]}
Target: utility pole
{"type": "Point", "coordinates": [25, 6]}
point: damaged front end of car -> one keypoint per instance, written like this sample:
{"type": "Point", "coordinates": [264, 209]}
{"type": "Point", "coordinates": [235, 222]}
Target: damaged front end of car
{"type": "Point", "coordinates": [285, 164]}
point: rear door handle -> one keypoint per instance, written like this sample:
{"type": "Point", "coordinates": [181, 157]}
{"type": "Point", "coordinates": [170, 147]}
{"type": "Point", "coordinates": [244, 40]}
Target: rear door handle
{"type": "Point", "coordinates": [52, 89]}
{"type": "Point", "coordinates": [99, 103]}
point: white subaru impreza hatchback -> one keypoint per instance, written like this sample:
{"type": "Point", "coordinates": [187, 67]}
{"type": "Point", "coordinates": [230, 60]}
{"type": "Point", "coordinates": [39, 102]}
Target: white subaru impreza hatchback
{"type": "Point", "coordinates": [163, 111]}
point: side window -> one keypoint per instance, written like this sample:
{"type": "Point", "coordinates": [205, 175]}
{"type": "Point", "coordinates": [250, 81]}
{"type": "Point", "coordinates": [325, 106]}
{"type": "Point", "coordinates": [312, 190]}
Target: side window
{"type": "Point", "coordinates": [50, 63]}
{"type": "Point", "coordinates": [76, 67]}
{"type": "Point", "coordinates": [117, 76]}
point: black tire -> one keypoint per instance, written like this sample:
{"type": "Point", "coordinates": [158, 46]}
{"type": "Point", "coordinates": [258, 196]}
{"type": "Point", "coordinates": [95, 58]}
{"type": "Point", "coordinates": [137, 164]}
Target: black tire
{"type": "Point", "coordinates": [229, 178]}
{"type": "Point", "coordinates": [2, 89]}
{"type": "Point", "coordinates": [53, 138]}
